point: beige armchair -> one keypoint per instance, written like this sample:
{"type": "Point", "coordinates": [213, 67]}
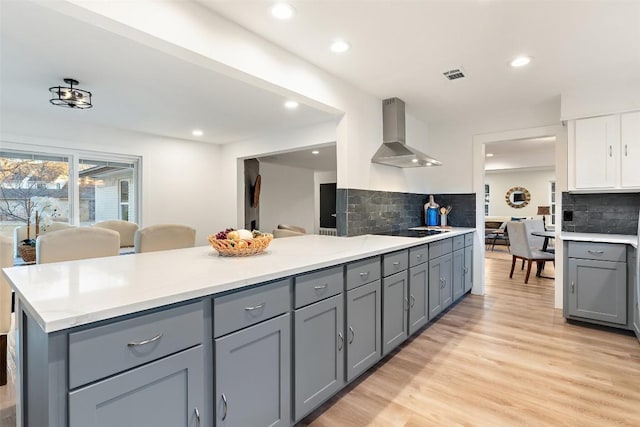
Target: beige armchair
{"type": "Point", "coordinates": [126, 229]}
{"type": "Point", "coordinates": [6, 260]}
{"type": "Point", "coordinates": [162, 237]}
{"type": "Point", "coordinates": [76, 243]}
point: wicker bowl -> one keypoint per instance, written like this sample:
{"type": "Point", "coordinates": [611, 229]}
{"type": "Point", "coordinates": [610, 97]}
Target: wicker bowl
{"type": "Point", "coordinates": [227, 247]}
{"type": "Point", "coordinates": [27, 253]}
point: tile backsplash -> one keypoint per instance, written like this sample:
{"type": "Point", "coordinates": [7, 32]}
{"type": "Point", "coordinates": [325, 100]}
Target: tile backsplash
{"type": "Point", "coordinates": [366, 211]}
{"type": "Point", "coordinates": [607, 213]}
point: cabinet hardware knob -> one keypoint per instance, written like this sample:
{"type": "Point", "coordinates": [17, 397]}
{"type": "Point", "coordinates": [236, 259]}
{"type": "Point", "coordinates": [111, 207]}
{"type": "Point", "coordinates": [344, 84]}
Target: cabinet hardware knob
{"type": "Point", "coordinates": [418, 255]}
{"type": "Point", "coordinates": [466, 270]}
{"type": "Point", "coordinates": [573, 286]}
{"type": "Point", "coordinates": [320, 287]}
{"type": "Point", "coordinates": [364, 274]}
{"type": "Point", "coordinates": [255, 307]}
{"type": "Point", "coordinates": [197, 417]}
{"type": "Point", "coordinates": [340, 341]}
{"type": "Point", "coordinates": [413, 300]}
{"type": "Point", "coordinates": [144, 342]}
{"type": "Point", "coordinates": [224, 407]}
{"type": "Point", "coordinates": [353, 334]}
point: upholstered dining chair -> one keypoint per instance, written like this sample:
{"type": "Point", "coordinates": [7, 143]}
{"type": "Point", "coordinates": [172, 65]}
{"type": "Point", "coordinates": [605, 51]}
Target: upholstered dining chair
{"type": "Point", "coordinates": [20, 233]}
{"type": "Point", "coordinates": [76, 243]}
{"type": "Point", "coordinates": [162, 237]}
{"type": "Point", "coordinates": [531, 225]}
{"type": "Point", "coordinates": [6, 260]}
{"type": "Point", "coordinates": [126, 229]}
{"type": "Point", "coordinates": [520, 248]}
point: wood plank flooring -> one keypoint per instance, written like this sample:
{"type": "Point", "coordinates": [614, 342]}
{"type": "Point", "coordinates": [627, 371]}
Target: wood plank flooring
{"type": "Point", "coordinates": [505, 359]}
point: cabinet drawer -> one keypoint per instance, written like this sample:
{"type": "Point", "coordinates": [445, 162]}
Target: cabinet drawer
{"type": "Point", "coordinates": [441, 247]}
{"type": "Point", "coordinates": [599, 251]}
{"type": "Point", "coordinates": [99, 352]}
{"type": "Point", "coordinates": [395, 262]}
{"type": "Point", "coordinates": [245, 308]}
{"type": "Point", "coordinates": [418, 255]}
{"type": "Point", "coordinates": [317, 286]}
{"type": "Point", "coordinates": [458, 242]}
{"type": "Point", "coordinates": [361, 272]}
{"type": "Point", "coordinates": [468, 239]}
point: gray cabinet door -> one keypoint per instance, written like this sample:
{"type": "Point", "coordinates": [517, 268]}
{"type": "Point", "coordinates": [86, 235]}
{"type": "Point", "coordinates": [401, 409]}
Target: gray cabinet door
{"type": "Point", "coordinates": [440, 286]}
{"type": "Point", "coordinates": [418, 297]}
{"type": "Point", "coordinates": [395, 309]}
{"type": "Point", "coordinates": [598, 290]}
{"type": "Point", "coordinates": [468, 268]}
{"type": "Point", "coordinates": [458, 274]}
{"type": "Point", "coordinates": [318, 353]}
{"type": "Point", "coordinates": [363, 328]}
{"type": "Point", "coordinates": [168, 392]}
{"type": "Point", "coordinates": [252, 375]}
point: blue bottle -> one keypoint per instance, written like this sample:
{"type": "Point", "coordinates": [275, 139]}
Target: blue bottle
{"type": "Point", "coordinates": [431, 214]}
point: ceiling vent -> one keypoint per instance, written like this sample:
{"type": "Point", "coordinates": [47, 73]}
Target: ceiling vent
{"type": "Point", "coordinates": [454, 74]}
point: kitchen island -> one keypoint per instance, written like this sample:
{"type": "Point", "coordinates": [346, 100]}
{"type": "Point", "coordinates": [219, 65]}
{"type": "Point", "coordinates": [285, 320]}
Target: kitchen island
{"type": "Point", "coordinates": [151, 338]}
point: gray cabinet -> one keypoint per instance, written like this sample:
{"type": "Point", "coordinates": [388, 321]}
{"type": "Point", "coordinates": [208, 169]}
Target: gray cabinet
{"type": "Point", "coordinates": [596, 288]}
{"type": "Point", "coordinates": [418, 297]}
{"type": "Point", "coordinates": [395, 310]}
{"type": "Point", "coordinates": [252, 375]}
{"type": "Point", "coordinates": [318, 353]}
{"type": "Point", "coordinates": [168, 392]}
{"type": "Point", "coordinates": [468, 267]}
{"type": "Point", "coordinates": [363, 333]}
{"type": "Point", "coordinates": [458, 274]}
{"type": "Point", "coordinates": [440, 286]}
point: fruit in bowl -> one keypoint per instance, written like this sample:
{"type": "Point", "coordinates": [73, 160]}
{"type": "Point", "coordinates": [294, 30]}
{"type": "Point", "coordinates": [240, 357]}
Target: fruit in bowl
{"type": "Point", "coordinates": [232, 242]}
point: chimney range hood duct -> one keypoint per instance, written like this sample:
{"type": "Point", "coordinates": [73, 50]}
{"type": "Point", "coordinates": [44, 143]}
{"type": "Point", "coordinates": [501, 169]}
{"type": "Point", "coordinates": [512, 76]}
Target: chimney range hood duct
{"type": "Point", "coordinates": [394, 151]}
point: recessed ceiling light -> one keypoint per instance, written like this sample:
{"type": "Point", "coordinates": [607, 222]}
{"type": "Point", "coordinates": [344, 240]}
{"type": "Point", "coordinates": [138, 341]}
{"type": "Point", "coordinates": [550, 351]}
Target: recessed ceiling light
{"type": "Point", "coordinates": [340, 46]}
{"type": "Point", "coordinates": [429, 164]}
{"type": "Point", "coordinates": [414, 160]}
{"type": "Point", "coordinates": [282, 11]}
{"type": "Point", "coordinates": [197, 132]}
{"type": "Point", "coordinates": [315, 152]}
{"type": "Point", "coordinates": [520, 61]}
{"type": "Point", "coordinates": [291, 105]}
{"type": "Point", "coordinates": [489, 154]}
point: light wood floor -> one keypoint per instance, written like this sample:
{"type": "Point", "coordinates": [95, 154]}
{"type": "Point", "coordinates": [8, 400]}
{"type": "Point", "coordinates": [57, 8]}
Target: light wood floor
{"type": "Point", "coordinates": [505, 359]}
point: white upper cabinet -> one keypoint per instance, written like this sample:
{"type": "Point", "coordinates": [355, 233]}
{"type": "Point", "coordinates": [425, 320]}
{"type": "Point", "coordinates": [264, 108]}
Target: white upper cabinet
{"type": "Point", "coordinates": [604, 153]}
{"type": "Point", "coordinates": [630, 149]}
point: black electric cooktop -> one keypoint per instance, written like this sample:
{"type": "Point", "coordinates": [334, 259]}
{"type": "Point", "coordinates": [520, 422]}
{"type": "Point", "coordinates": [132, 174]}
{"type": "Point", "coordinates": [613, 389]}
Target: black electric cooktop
{"type": "Point", "coordinates": [411, 233]}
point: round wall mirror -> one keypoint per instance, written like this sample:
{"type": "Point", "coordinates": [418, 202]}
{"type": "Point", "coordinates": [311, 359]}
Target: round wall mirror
{"type": "Point", "coordinates": [518, 197]}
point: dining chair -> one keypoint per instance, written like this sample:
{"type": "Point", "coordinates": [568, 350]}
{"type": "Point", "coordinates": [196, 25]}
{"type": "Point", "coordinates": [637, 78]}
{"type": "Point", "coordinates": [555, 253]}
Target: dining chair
{"type": "Point", "coordinates": [162, 237]}
{"type": "Point", "coordinates": [532, 225]}
{"type": "Point", "coordinates": [76, 243]}
{"type": "Point", "coordinates": [520, 248]}
{"type": "Point", "coordinates": [20, 233]}
{"type": "Point", "coordinates": [126, 229]}
{"type": "Point", "coordinates": [6, 260]}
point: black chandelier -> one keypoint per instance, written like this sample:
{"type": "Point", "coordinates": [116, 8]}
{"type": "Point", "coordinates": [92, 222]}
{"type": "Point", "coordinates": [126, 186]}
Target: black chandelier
{"type": "Point", "coordinates": [70, 97]}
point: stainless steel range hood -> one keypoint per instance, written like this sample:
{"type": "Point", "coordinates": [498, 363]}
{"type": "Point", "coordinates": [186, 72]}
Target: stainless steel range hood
{"type": "Point", "coordinates": [394, 151]}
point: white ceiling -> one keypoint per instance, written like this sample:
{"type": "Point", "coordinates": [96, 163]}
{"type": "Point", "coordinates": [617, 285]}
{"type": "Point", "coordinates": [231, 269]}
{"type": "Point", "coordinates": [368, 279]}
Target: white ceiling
{"type": "Point", "coordinates": [400, 48]}
{"type": "Point", "coordinates": [521, 154]}
{"type": "Point", "coordinates": [134, 87]}
{"type": "Point", "coordinates": [325, 160]}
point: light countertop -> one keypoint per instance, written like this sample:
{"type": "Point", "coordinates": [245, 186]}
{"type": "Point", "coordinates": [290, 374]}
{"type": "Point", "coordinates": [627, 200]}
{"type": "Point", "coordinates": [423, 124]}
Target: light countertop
{"type": "Point", "coordinates": [67, 294]}
{"type": "Point", "coordinates": [600, 238]}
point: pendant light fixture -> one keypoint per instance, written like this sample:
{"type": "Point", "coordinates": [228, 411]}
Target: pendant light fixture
{"type": "Point", "coordinates": [70, 97]}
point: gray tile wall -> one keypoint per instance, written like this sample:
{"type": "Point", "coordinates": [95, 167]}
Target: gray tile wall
{"type": "Point", "coordinates": [365, 211]}
{"type": "Point", "coordinates": [607, 213]}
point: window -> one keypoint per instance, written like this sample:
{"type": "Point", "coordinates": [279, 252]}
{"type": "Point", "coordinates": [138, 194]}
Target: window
{"type": "Point", "coordinates": [487, 198]}
{"type": "Point", "coordinates": [552, 202]}
{"type": "Point", "coordinates": [65, 187]}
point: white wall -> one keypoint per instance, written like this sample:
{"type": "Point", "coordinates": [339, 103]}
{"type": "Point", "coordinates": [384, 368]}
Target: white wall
{"type": "Point", "coordinates": [595, 101]}
{"type": "Point", "coordinates": [286, 197]}
{"type": "Point", "coordinates": [536, 181]}
{"type": "Point", "coordinates": [180, 179]}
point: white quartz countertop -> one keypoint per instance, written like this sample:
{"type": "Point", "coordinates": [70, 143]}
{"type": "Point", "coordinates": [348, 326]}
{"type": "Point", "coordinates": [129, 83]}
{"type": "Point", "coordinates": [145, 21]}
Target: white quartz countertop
{"type": "Point", "coordinates": [67, 294]}
{"type": "Point", "coordinates": [628, 239]}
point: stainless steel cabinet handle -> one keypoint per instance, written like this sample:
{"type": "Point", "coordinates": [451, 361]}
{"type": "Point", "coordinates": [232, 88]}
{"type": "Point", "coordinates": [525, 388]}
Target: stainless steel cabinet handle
{"type": "Point", "coordinates": [197, 417]}
{"type": "Point", "coordinates": [406, 304]}
{"type": "Point", "coordinates": [340, 341]}
{"type": "Point", "coordinates": [413, 300]}
{"type": "Point", "coordinates": [149, 341]}
{"type": "Point", "coordinates": [595, 252]}
{"type": "Point", "coordinates": [319, 287]}
{"type": "Point", "coordinates": [397, 263]}
{"type": "Point", "coordinates": [466, 270]}
{"type": "Point", "coordinates": [255, 307]}
{"type": "Point", "coordinates": [625, 150]}
{"type": "Point", "coordinates": [573, 286]}
{"type": "Point", "coordinates": [418, 256]}
{"type": "Point", "coordinates": [610, 151]}
{"type": "Point", "coordinates": [442, 283]}
{"type": "Point", "coordinates": [224, 407]}
{"type": "Point", "coordinates": [364, 274]}
{"type": "Point", "coordinates": [353, 334]}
